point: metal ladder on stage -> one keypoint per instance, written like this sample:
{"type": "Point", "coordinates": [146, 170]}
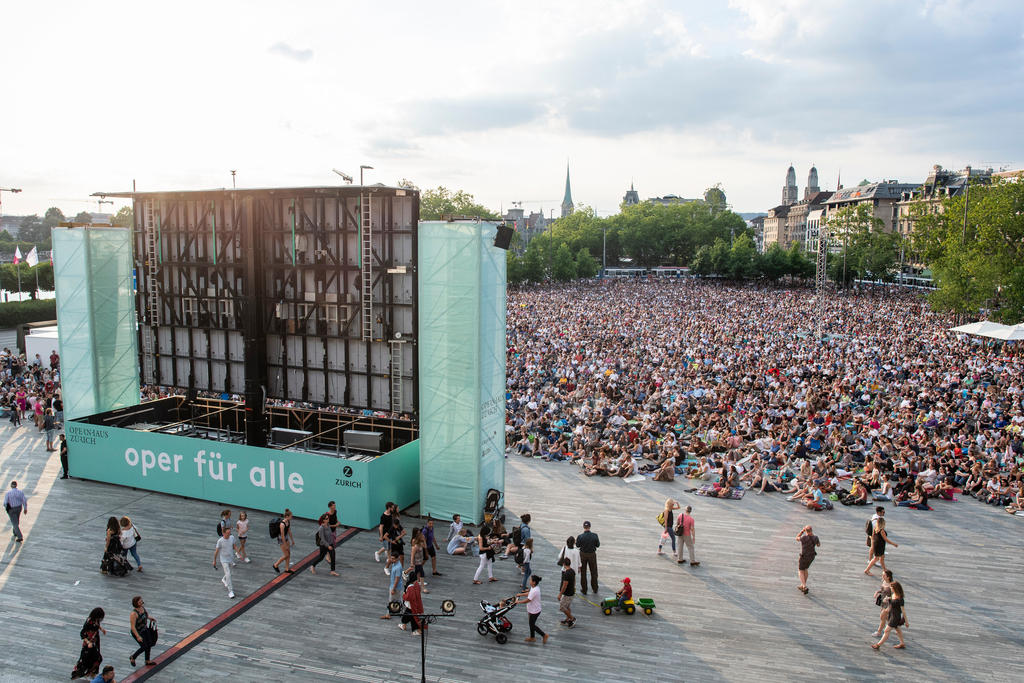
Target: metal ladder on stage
{"type": "Point", "coordinates": [149, 236]}
{"type": "Point", "coordinates": [366, 249]}
{"type": "Point", "coordinates": [396, 375]}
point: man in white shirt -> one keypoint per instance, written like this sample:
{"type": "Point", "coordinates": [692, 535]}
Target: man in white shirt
{"type": "Point", "coordinates": [227, 545]}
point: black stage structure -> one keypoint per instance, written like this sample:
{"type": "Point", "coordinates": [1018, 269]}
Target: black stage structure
{"type": "Point", "coordinates": [300, 298]}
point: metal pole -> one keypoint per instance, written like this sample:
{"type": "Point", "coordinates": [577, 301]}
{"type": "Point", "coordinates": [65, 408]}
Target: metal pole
{"type": "Point", "coordinates": [423, 653]}
{"type": "Point", "coordinates": [604, 249]}
{"type": "Point", "coordinates": [967, 203]}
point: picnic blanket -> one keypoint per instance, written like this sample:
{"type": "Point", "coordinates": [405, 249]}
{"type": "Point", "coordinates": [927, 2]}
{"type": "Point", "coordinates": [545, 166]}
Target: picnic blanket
{"type": "Point", "coordinates": [709, 490]}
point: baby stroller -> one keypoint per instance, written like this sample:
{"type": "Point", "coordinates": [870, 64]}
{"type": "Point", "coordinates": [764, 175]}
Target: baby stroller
{"type": "Point", "coordinates": [494, 622]}
{"type": "Point", "coordinates": [492, 506]}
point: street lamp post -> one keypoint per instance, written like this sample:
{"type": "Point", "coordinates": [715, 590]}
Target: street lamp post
{"type": "Point", "coordinates": [363, 167]}
{"type": "Point", "coordinates": [447, 610]}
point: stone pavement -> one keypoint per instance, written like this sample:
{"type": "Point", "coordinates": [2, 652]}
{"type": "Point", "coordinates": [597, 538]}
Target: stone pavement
{"type": "Point", "coordinates": [736, 617]}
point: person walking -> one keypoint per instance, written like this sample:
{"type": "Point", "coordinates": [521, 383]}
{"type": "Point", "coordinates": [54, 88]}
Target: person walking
{"type": "Point", "coordinates": [142, 628]}
{"type": "Point", "coordinates": [686, 530]}
{"type": "Point", "coordinates": [325, 541]}
{"type": "Point", "coordinates": [384, 532]}
{"type": "Point", "coordinates": [111, 545]}
{"type": "Point", "coordinates": [64, 456]}
{"type": "Point", "coordinates": [531, 598]}
{"type": "Point", "coordinates": [897, 617]}
{"type": "Point", "coordinates": [881, 596]}
{"type": "Point", "coordinates": [242, 531]}
{"type": "Point", "coordinates": [588, 543]}
{"type": "Point", "coordinates": [527, 557]}
{"type": "Point", "coordinates": [16, 506]}
{"type": "Point", "coordinates": [130, 538]}
{"type": "Point", "coordinates": [224, 551]}
{"type": "Point", "coordinates": [49, 426]}
{"type": "Point", "coordinates": [879, 539]}
{"type": "Point", "coordinates": [566, 592]}
{"type": "Point", "coordinates": [332, 517]}
{"type": "Point", "coordinates": [394, 571]}
{"type": "Point", "coordinates": [666, 518]}
{"type": "Point", "coordinates": [486, 555]}
{"type": "Point", "coordinates": [90, 658]}
{"type": "Point", "coordinates": [569, 550]}
{"type": "Point", "coordinates": [808, 543]}
{"type": "Point", "coordinates": [418, 557]}
{"type": "Point", "coordinates": [432, 546]}
{"type": "Point", "coordinates": [285, 540]}
{"type": "Point", "coordinates": [869, 528]}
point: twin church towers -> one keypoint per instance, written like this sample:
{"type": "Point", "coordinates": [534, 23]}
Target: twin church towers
{"type": "Point", "coordinates": [789, 192]}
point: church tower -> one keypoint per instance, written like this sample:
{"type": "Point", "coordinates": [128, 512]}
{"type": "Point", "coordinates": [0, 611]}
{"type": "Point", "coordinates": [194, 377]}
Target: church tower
{"type": "Point", "coordinates": [812, 183]}
{"type": "Point", "coordinates": [632, 197]}
{"type": "Point", "coordinates": [567, 200]}
{"type": "Point", "coordinates": [789, 192]}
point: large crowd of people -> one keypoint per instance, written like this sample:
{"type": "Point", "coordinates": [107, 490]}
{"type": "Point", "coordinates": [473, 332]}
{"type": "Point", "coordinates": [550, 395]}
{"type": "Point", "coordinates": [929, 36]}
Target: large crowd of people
{"type": "Point", "coordinates": [30, 392]}
{"type": "Point", "coordinates": [732, 384]}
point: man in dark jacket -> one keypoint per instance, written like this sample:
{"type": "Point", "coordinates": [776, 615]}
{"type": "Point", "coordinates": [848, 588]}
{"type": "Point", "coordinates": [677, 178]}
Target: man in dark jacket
{"type": "Point", "coordinates": [588, 543]}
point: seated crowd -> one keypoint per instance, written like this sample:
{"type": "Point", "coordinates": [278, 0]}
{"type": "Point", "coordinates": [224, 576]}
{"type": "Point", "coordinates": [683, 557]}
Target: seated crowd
{"type": "Point", "coordinates": [731, 384]}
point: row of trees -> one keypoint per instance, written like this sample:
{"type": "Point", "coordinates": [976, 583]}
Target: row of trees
{"type": "Point", "coordinates": [975, 246]}
{"type": "Point", "coordinates": [646, 234]}
{"type": "Point", "coordinates": [35, 230]}
{"type": "Point", "coordinates": [742, 260]}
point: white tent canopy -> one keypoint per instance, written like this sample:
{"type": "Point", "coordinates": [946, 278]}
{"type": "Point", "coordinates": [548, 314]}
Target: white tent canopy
{"type": "Point", "coordinates": [992, 330]}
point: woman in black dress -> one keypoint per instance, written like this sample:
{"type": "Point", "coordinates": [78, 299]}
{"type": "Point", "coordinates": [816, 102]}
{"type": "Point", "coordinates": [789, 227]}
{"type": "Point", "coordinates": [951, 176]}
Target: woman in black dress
{"type": "Point", "coordinates": [90, 659]}
{"type": "Point", "coordinates": [112, 546]}
{"type": "Point", "coordinates": [879, 540]}
{"type": "Point", "coordinates": [897, 617]}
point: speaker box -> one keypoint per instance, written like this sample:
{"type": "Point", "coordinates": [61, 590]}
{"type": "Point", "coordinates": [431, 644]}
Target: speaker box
{"type": "Point", "coordinates": [504, 237]}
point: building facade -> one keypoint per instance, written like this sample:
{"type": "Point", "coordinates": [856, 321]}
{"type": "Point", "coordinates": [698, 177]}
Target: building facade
{"type": "Point", "coordinates": [881, 197]}
{"type": "Point", "coordinates": [940, 184]}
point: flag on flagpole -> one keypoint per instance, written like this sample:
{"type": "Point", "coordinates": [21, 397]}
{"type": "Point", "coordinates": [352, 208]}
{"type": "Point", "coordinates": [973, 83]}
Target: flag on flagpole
{"type": "Point", "coordinates": [17, 254]}
{"type": "Point", "coordinates": [33, 258]}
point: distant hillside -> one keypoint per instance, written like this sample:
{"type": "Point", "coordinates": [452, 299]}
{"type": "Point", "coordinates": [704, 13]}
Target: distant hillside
{"type": "Point", "coordinates": [752, 216]}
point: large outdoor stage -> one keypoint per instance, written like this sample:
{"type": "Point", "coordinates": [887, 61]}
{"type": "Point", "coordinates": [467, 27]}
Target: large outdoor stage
{"type": "Point", "coordinates": [198, 450]}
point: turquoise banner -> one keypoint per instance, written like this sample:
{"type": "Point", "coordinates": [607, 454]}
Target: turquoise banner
{"type": "Point", "coordinates": [245, 476]}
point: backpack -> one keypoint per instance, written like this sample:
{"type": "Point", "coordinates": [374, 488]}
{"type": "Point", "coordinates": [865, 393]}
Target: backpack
{"type": "Point", "coordinates": [517, 536]}
{"type": "Point", "coordinates": [519, 556]}
{"type": "Point", "coordinates": [275, 527]}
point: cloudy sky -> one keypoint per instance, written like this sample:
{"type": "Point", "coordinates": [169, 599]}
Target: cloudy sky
{"type": "Point", "coordinates": [495, 97]}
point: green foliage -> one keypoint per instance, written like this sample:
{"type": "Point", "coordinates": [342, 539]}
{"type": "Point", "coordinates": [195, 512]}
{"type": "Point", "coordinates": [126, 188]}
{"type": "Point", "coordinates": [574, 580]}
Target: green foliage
{"type": "Point", "coordinates": [82, 217]}
{"type": "Point", "coordinates": [17, 313]}
{"type": "Point", "coordinates": [982, 265]}
{"type": "Point", "coordinates": [742, 261]}
{"type": "Point", "coordinates": [441, 202]}
{"type": "Point", "coordinates": [775, 262]}
{"type": "Point", "coordinates": [533, 262]}
{"type": "Point", "coordinates": [563, 266]}
{"type": "Point", "coordinates": [9, 277]}
{"type": "Point", "coordinates": [586, 265]}
{"type": "Point", "coordinates": [867, 251]}
{"type": "Point", "coordinates": [33, 229]}
{"type": "Point", "coordinates": [514, 268]}
{"type": "Point", "coordinates": [800, 265]}
{"type": "Point", "coordinates": [124, 218]}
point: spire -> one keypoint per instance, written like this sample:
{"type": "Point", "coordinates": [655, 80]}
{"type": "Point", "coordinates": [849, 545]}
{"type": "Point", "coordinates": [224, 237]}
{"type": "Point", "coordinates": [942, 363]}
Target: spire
{"type": "Point", "coordinates": [567, 200]}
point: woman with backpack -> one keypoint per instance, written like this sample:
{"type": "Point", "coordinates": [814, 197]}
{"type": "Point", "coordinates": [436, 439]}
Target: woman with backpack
{"type": "Point", "coordinates": [143, 630]}
{"type": "Point", "coordinates": [285, 540]}
{"type": "Point", "coordinates": [667, 527]}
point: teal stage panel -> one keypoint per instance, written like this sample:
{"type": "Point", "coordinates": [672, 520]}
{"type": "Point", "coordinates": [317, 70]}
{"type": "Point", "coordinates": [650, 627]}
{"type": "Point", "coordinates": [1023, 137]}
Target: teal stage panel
{"type": "Point", "coordinates": [92, 273]}
{"type": "Point", "coordinates": [462, 367]}
{"type": "Point", "coordinates": [245, 476]}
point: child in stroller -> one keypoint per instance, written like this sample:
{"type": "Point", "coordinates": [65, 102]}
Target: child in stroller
{"type": "Point", "coordinates": [494, 622]}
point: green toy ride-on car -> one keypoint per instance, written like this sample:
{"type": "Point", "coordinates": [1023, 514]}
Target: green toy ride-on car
{"type": "Point", "coordinates": [646, 604]}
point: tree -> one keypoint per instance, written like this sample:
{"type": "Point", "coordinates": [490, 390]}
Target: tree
{"type": "Point", "coordinates": [564, 266]}
{"type": "Point", "coordinates": [442, 202]}
{"type": "Point", "coordinates": [533, 264]}
{"type": "Point", "coordinates": [586, 265]}
{"type": "Point", "coordinates": [82, 217]}
{"type": "Point", "coordinates": [53, 217]}
{"type": "Point", "coordinates": [742, 261]}
{"type": "Point", "coordinates": [852, 227]}
{"type": "Point", "coordinates": [977, 263]}
{"type": "Point", "coordinates": [514, 268]}
{"type": "Point", "coordinates": [124, 218]}
{"type": "Point", "coordinates": [775, 263]}
{"type": "Point", "coordinates": [33, 229]}
{"type": "Point", "coordinates": [407, 184]}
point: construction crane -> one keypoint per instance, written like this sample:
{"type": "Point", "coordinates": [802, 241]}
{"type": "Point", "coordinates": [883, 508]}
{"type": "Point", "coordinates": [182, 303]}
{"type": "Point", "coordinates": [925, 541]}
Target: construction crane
{"type": "Point", "coordinates": [12, 190]}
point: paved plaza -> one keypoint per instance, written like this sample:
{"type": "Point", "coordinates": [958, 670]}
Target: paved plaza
{"type": "Point", "coordinates": [736, 617]}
